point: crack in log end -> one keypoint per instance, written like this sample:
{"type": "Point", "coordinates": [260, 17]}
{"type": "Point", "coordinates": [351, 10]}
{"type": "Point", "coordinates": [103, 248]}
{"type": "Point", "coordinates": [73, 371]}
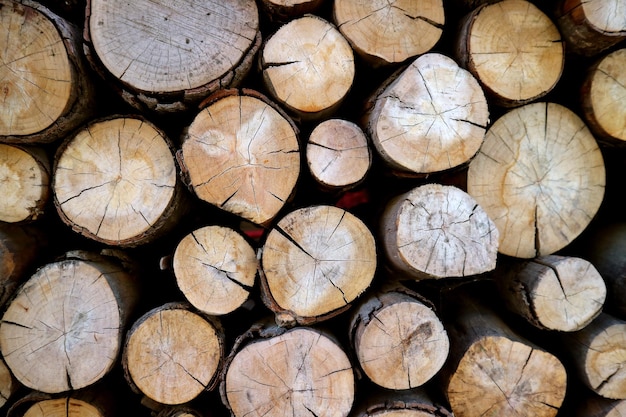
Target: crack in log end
{"type": "Point", "coordinates": [290, 238]}
{"type": "Point", "coordinates": [536, 226]}
{"type": "Point", "coordinates": [267, 65]}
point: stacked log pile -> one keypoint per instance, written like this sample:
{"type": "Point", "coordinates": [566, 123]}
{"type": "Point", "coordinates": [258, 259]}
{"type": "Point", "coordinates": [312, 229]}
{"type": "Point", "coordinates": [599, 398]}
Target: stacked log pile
{"type": "Point", "coordinates": [312, 208]}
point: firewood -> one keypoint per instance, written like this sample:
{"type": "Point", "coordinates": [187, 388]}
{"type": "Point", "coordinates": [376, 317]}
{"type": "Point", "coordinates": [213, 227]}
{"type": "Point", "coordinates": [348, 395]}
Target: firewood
{"type": "Point", "coordinates": [603, 96]}
{"type": "Point", "coordinates": [314, 263]}
{"type": "Point", "coordinates": [215, 268]}
{"type": "Point", "coordinates": [553, 292]}
{"type": "Point", "coordinates": [282, 11]}
{"type": "Point", "coordinates": [384, 34]}
{"type": "Point", "coordinates": [8, 384]}
{"type": "Point", "coordinates": [540, 177]}
{"type": "Point", "coordinates": [115, 181]}
{"type": "Point", "coordinates": [94, 401]}
{"type": "Point", "coordinates": [64, 328]}
{"type": "Point", "coordinates": [598, 355]}
{"type": "Point", "coordinates": [46, 90]}
{"type": "Point", "coordinates": [399, 341]}
{"type": "Point", "coordinates": [241, 154]}
{"type": "Point", "coordinates": [24, 183]}
{"type": "Point", "coordinates": [162, 58]}
{"type": "Point", "coordinates": [181, 411]}
{"type": "Point", "coordinates": [338, 155]}
{"type": "Point", "coordinates": [405, 403]}
{"type": "Point", "coordinates": [275, 372]}
{"type": "Point", "coordinates": [308, 67]}
{"type": "Point", "coordinates": [435, 231]}
{"type": "Point", "coordinates": [493, 370]}
{"type": "Point", "coordinates": [514, 50]}
{"type": "Point", "coordinates": [591, 26]}
{"type": "Point", "coordinates": [173, 354]}
{"type": "Point", "coordinates": [597, 406]}
{"type": "Point", "coordinates": [429, 117]}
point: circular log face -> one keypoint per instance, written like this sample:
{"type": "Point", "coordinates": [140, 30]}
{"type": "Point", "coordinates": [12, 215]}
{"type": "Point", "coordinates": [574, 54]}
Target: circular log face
{"type": "Point", "coordinates": [24, 185]}
{"type": "Point", "coordinates": [299, 373]}
{"type": "Point", "coordinates": [606, 16]}
{"type": "Point", "coordinates": [62, 407]}
{"type": "Point", "coordinates": [165, 46]}
{"type": "Point", "coordinates": [317, 260]}
{"type": "Point", "coordinates": [172, 355]}
{"type": "Point", "coordinates": [35, 74]}
{"type": "Point", "coordinates": [115, 179]}
{"type": "Point", "coordinates": [62, 330]}
{"type": "Point", "coordinates": [540, 176]}
{"type": "Point", "coordinates": [215, 269]}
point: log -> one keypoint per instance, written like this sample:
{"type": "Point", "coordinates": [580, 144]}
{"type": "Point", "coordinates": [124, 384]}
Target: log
{"type": "Point", "coordinates": [215, 268]}
{"type": "Point", "coordinates": [115, 182]}
{"type": "Point", "coordinates": [338, 155]}
{"type": "Point", "coordinates": [9, 385]}
{"type": "Point", "coordinates": [282, 11]}
{"type": "Point", "coordinates": [385, 34]}
{"type": "Point", "coordinates": [241, 154]}
{"type": "Point", "coordinates": [314, 263]}
{"type": "Point", "coordinates": [603, 96]}
{"type": "Point", "coordinates": [514, 50]}
{"type": "Point", "coordinates": [275, 372]}
{"type": "Point", "coordinates": [597, 406]}
{"type": "Point", "coordinates": [592, 26]}
{"type": "Point", "coordinates": [307, 67]}
{"type": "Point", "coordinates": [95, 401]}
{"type": "Point", "coordinates": [494, 371]}
{"type": "Point", "coordinates": [412, 403]}
{"type": "Point", "coordinates": [164, 59]}
{"type": "Point", "coordinates": [437, 231]}
{"type": "Point", "coordinates": [399, 341]}
{"type": "Point", "coordinates": [172, 354]}
{"type": "Point", "coordinates": [429, 117]}
{"type": "Point", "coordinates": [553, 292]}
{"type": "Point", "coordinates": [63, 329]}
{"type": "Point", "coordinates": [25, 183]}
{"type": "Point", "coordinates": [540, 177]}
{"type": "Point", "coordinates": [46, 90]}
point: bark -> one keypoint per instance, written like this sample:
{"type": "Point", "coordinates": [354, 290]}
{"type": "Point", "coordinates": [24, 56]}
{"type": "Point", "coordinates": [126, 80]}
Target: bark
{"type": "Point", "coordinates": [115, 181]}
{"type": "Point", "coordinates": [338, 155]}
{"type": "Point", "coordinates": [540, 176]}
{"type": "Point", "coordinates": [314, 263]}
{"type": "Point", "coordinates": [63, 329]}
{"type": "Point", "coordinates": [165, 59]}
{"type": "Point", "coordinates": [435, 231]}
{"type": "Point", "coordinates": [173, 354]}
{"type": "Point", "coordinates": [308, 67]}
{"type": "Point", "coordinates": [412, 403]}
{"type": "Point", "coordinates": [553, 292]}
{"type": "Point", "coordinates": [46, 90]}
{"type": "Point", "coordinates": [428, 117]}
{"type": "Point", "coordinates": [272, 371]}
{"type": "Point", "coordinates": [216, 269]}
{"type": "Point", "coordinates": [514, 50]}
{"type": "Point", "coordinates": [241, 154]}
{"type": "Point", "coordinates": [282, 11]}
{"type": "Point", "coordinates": [417, 27]}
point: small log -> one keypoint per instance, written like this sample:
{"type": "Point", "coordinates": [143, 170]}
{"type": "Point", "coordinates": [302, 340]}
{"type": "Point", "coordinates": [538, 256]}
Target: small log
{"type": "Point", "coordinates": [594, 405]}
{"type": "Point", "coordinates": [338, 155]}
{"type": "Point", "coordinates": [164, 59]}
{"type": "Point", "coordinates": [429, 117]}
{"type": "Point", "coordinates": [412, 403]}
{"type": "Point", "coordinates": [282, 11]}
{"type": "Point", "coordinates": [553, 292]}
{"type": "Point", "coordinates": [173, 354]}
{"type": "Point", "coordinates": [603, 97]}
{"type": "Point", "coordinates": [315, 262]}
{"type": "Point", "coordinates": [598, 355]}
{"type": "Point", "coordinates": [181, 411]}
{"type": "Point", "coordinates": [46, 90]}
{"type": "Point", "coordinates": [308, 67]}
{"type": "Point", "coordinates": [215, 268]}
{"type": "Point", "coordinates": [115, 181]}
{"type": "Point", "coordinates": [435, 231]}
{"type": "Point", "coordinates": [95, 401]}
{"type": "Point", "coordinates": [9, 385]}
{"type": "Point", "coordinates": [64, 328]}
{"type": "Point", "coordinates": [591, 26]}
{"type": "Point", "coordinates": [514, 50]}
{"type": "Point", "coordinates": [384, 34]}
{"type": "Point", "coordinates": [275, 372]}
{"type": "Point", "coordinates": [399, 341]}
{"type": "Point", "coordinates": [540, 176]}
{"type": "Point", "coordinates": [241, 154]}
{"type": "Point", "coordinates": [24, 183]}
{"type": "Point", "coordinates": [494, 371]}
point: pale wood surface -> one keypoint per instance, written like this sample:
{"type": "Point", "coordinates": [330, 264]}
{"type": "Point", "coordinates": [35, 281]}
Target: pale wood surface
{"type": "Point", "coordinates": [315, 262]}
{"type": "Point", "coordinates": [63, 407]}
{"type": "Point", "coordinates": [241, 154]}
{"type": "Point", "coordinates": [540, 177]}
{"type": "Point", "coordinates": [431, 118]}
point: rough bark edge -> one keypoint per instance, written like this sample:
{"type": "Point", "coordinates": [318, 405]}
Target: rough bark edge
{"type": "Point", "coordinates": [280, 14]}
{"type": "Point", "coordinates": [415, 399]}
